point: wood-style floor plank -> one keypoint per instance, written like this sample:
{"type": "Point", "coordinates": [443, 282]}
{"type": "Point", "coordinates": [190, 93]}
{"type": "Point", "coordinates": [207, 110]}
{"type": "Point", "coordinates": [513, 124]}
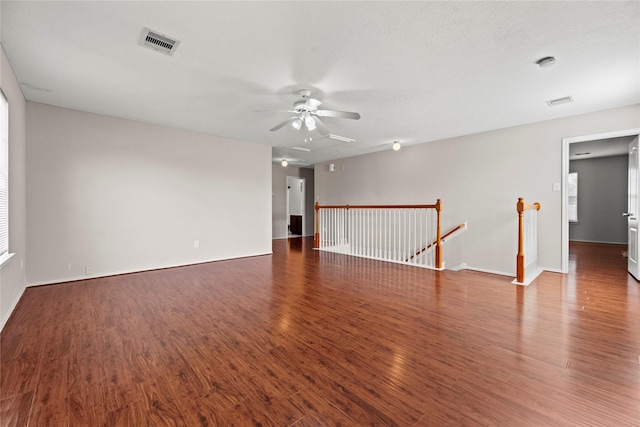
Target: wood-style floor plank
{"type": "Point", "coordinates": [14, 410]}
{"type": "Point", "coordinates": [307, 338]}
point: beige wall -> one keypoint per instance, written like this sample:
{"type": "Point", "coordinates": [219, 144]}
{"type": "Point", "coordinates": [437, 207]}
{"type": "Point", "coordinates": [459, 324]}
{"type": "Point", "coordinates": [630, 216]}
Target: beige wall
{"type": "Point", "coordinates": [12, 274]}
{"type": "Point", "coordinates": [121, 196]}
{"type": "Point", "coordinates": [479, 179]}
{"type": "Point", "coordinates": [279, 183]}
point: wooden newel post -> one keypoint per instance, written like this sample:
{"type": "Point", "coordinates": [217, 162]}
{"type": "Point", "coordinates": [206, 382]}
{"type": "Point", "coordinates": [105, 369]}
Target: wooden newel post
{"type": "Point", "coordinates": [438, 237]}
{"type": "Point", "coordinates": [520, 207]}
{"type": "Point", "coordinates": [316, 242]}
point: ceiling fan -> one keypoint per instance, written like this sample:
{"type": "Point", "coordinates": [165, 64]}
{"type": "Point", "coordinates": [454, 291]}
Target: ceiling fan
{"type": "Point", "coordinates": [306, 113]}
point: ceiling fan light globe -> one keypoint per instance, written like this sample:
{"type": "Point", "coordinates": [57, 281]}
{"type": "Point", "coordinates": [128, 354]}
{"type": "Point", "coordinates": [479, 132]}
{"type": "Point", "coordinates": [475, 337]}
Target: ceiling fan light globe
{"type": "Point", "coordinates": [297, 124]}
{"type": "Point", "coordinates": [310, 123]}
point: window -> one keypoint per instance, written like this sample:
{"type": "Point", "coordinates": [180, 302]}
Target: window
{"type": "Point", "coordinates": [4, 177]}
{"type": "Point", "coordinates": [573, 197]}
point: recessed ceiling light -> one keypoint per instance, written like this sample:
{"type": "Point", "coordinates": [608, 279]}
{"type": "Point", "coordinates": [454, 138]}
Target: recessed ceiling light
{"type": "Point", "coordinates": [396, 145]}
{"type": "Point", "coordinates": [545, 62]}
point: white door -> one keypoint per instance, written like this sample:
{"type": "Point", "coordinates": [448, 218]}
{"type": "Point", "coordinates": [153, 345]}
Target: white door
{"type": "Point", "coordinates": [295, 200]}
{"type": "Point", "coordinates": [633, 211]}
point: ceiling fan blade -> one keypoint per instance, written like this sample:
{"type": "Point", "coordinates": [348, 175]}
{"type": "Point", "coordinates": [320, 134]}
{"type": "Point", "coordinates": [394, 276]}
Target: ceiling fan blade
{"type": "Point", "coordinates": [275, 111]}
{"type": "Point", "coordinates": [341, 114]}
{"type": "Point", "coordinates": [283, 124]}
{"type": "Point", "coordinates": [321, 127]}
{"type": "Point", "coordinates": [312, 104]}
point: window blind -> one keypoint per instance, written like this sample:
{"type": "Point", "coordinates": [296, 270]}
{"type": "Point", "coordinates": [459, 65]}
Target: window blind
{"type": "Point", "coordinates": [4, 174]}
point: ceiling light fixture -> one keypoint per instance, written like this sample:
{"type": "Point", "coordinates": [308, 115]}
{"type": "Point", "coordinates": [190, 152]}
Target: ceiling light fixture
{"type": "Point", "coordinates": [297, 123]}
{"type": "Point", "coordinates": [545, 62]}
{"type": "Point", "coordinates": [396, 146]}
{"type": "Point", "coordinates": [300, 148]}
{"type": "Point", "coordinates": [284, 163]}
{"type": "Point", "coordinates": [310, 123]}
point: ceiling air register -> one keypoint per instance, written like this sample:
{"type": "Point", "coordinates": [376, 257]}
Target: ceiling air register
{"type": "Point", "coordinates": [158, 42]}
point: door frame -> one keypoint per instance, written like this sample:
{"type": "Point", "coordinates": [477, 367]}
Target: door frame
{"type": "Point", "coordinates": [564, 185]}
{"type": "Point", "coordinates": [303, 202]}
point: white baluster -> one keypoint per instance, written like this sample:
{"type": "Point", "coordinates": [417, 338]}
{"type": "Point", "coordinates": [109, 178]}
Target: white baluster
{"type": "Point", "coordinates": [367, 243]}
{"type": "Point", "coordinates": [380, 231]}
{"type": "Point", "coordinates": [358, 215]}
{"type": "Point", "coordinates": [335, 227]}
{"type": "Point", "coordinates": [404, 234]}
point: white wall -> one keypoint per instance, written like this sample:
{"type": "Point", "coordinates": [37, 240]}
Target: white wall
{"type": "Point", "coordinates": [279, 183]}
{"type": "Point", "coordinates": [123, 196]}
{"type": "Point", "coordinates": [479, 179]}
{"type": "Point", "coordinates": [12, 274]}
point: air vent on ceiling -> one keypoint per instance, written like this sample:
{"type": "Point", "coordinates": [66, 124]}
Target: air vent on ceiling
{"type": "Point", "coordinates": [322, 142]}
{"type": "Point", "coordinates": [158, 42]}
{"type": "Point", "coordinates": [559, 101]}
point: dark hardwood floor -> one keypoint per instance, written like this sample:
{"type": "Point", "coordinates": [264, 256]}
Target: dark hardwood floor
{"type": "Point", "coordinates": [307, 338]}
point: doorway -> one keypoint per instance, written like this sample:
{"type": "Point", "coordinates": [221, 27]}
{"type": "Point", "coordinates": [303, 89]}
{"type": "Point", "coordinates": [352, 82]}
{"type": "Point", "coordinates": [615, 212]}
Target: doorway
{"type": "Point", "coordinates": [295, 211]}
{"type": "Point", "coordinates": [566, 143]}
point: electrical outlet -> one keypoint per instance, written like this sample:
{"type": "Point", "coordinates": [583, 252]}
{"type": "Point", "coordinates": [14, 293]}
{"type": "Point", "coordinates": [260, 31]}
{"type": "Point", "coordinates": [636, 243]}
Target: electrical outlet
{"type": "Point", "coordinates": [88, 270]}
{"type": "Point", "coordinates": [196, 243]}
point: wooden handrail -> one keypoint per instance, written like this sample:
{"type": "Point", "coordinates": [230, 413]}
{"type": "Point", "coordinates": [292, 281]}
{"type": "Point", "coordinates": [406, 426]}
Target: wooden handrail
{"type": "Point", "coordinates": [437, 206]}
{"type": "Point", "coordinates": [444, 236]}
{"type": "Point", "coordinates": [318, 206]}
{"type": "Point", "coordinates": [521, 207]}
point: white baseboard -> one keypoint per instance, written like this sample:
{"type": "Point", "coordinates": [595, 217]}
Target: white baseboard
{"type": "Point", "coordinates": [484, 270]}
{"type": "Point", "coordinates": [459, 267]}
{"type": "Point", "coordinates": [11, 309]}
{"type": "Point", "coordinates": [118, 273]}
{"type": "Point", "coordinates": [529, 277]}
{"type": "Point", "coordinates": [463, 266]}
{"type": "Point", "coordinates": [287, 237]}
{"type": "Point", "coordinates": [598, 241]}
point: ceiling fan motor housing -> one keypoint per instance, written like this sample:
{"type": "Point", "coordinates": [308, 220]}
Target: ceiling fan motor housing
{"type": "Point", "coordinates": [299, 106]}
{"type": "Point", "coordinates": [307, 113]}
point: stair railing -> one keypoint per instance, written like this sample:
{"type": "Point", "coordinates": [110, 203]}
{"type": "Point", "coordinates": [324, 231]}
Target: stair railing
{"type": "Point", "coordinates": [527, 257]}
{"type": "Point", "coordinates": [386, 232]}
{"type": "Point", "coordinates": [443, 238]}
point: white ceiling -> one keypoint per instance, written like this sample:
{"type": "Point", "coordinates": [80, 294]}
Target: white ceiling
{"type": "Point", "coordinates": [415, 71]}
{"type": "Point", "coordinates": [600, 148]}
